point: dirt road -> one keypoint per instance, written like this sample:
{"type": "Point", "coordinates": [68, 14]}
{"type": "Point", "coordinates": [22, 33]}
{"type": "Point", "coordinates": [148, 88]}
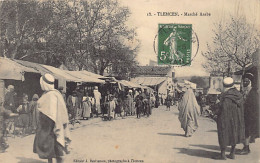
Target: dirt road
{"type": "Point", "coordinates": [157, 139]}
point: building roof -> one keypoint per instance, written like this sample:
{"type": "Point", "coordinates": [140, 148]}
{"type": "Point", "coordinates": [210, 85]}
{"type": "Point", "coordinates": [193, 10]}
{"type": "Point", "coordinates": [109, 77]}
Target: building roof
{"type": "Point", "coordinates": [148, 81]}
{"type": "Point", "coordinates": [151, 71]}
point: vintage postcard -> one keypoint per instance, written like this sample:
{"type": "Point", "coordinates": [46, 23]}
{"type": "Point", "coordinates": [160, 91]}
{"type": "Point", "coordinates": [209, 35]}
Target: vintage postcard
{"type": "Point", "coordinates": [129, 81]}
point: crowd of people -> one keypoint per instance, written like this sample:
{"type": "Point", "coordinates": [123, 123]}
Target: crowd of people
{"type": "Point", "coordinates": [236, 112]}
{"type": "Point", "coordinates": [49, 115]}
{"type": "Point", "coordinates": [108, 104]}
{"type": "Point", "coordinates": [27, 111]}
{"type": "Point", "coordinates": [82, 104]}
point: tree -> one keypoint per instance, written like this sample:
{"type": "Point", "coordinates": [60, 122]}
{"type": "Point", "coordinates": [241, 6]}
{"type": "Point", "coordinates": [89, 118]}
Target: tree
{"type": "Point", "coordinates": [90, 35]}
{"type": "Point", "coordinates": [199, 81]}
{"type": "Point", "coordinates": [27, 28]}
{"type": "Point", "coordinates": [103, 38]}
{"type": "Point", "coordinates": [234, 42]}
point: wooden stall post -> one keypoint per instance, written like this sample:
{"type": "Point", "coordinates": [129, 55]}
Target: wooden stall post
{"type": "Point", "coordinates": [2, 90]}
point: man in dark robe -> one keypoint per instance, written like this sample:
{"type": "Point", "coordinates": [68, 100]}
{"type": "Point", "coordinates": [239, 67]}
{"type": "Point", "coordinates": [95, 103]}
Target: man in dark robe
{"type": "Point", "coordinates": [251, 115]}
{"type": "Point", "coordinates": [73, 105]}
{"type": "Point", "coordinates": [230, 119]}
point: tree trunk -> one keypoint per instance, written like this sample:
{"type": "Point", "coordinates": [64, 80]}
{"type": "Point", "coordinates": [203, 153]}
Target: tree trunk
{"type": "Point", "coordinates": [243, 73]}
{"type": "Point", "coordinates": [102, 70]}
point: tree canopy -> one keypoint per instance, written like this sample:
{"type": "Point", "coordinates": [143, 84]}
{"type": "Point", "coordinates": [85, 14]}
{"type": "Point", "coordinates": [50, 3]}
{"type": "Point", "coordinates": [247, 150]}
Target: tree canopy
{"type": "Point", "coordinates": [90, 35]}
{"type": "Point", "coordinates": [201, 83]}
{"type": "Point", "coordinates": [232, 47]}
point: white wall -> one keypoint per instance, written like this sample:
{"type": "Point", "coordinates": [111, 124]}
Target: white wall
{"type": "Point", "coordinates": [216, 82]}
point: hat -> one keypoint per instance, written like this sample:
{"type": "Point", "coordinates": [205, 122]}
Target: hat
{"type": "Point", "coordinates": [96, 87]}
{"type": "Point", "coordinates": [84, 98]}
{"type": "Point", "coordinates": [10, 87]}
{"type": "Point", "coordinates": [35, 96]}
{"type": "Point", "coordinates": [48, 78]}
{"type": "Point", "coordinates": [130, 91]}
{"type": "Point", "coordinates": [228, 82]}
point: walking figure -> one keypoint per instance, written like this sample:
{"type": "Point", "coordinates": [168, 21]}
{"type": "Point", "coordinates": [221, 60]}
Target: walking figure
{"type": "Point", "coordinates": [171, 41]}
{"type": "Point", "coordinates": [52, 135]}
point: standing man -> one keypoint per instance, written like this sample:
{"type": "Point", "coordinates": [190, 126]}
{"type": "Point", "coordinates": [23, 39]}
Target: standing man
{"type": "Point", "coordinates": [52, 135]}
{"type": "Point", "coordinates": [24, 114]}
{"type": "Point", "coordinates": [34, 113]}
{"type": "Point", "coordinates": [251, 115]}
{"type": "Point", "coordinates": [199, 100]}
{"type": "Point", "coordinates": [9, 103]}
{"type": "Point", "coordinates": [139, 106]}
{"type": "Point", "coordinates": [168, 103]}
{"type": "Point", "coordinates": [80, 94]}
{"type": "Point", "coordinates": [97, 96]}
{"type": "Point", "coordinates": [4, 114]}
{"type": "Point", "coordinates": [73, 106]}
{"type": "Point", "coordinates": [230, 119]}
{"type": "Point", "coordinates": [130, 102]}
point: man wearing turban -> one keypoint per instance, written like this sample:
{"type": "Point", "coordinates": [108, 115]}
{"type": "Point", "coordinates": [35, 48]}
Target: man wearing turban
{"type": "Point", "coordinates": [52, 134]}
{"type": "Point", "coordinates": [230, 119]}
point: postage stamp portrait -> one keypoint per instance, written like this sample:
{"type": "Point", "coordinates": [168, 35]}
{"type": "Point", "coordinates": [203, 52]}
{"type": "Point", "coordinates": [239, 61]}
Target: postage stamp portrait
{"type": "Point", "coordinates": [174, 44]}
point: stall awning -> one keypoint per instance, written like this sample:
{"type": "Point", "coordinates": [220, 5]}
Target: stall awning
{"type": "Point", "coordinates": [11, 70]}
{"type": "Point", "coordinates": [15, 69]}
{"type": "Point", "coordinates": [36, 66]}
{"type": "Point", "coordinates": [130, 84]}
{"type": "Point", "coordinates": [148, 81]}
{"type": "Point", "coordinates": [91, 74]}
{"type": "Point", "coordinates": [61, 74]}
{"type": "Point", "coordinates": [134, 85]}
{"type": "Point", "coordinates": [86, 76]}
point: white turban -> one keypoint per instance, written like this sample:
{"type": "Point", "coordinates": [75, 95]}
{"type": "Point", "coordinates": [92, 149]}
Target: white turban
{"type": "Point", "coordinates": [228, 82]}
{"type": "Point", "coordinates": [47, 82]}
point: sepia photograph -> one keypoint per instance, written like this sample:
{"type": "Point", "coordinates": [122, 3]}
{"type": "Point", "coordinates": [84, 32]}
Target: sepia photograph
{"type": "Point", "coordinates": [129, 81]}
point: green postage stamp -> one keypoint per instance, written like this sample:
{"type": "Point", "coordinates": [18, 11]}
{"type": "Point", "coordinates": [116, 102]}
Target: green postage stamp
{"type": "Point", "coordinates": [174, 44]}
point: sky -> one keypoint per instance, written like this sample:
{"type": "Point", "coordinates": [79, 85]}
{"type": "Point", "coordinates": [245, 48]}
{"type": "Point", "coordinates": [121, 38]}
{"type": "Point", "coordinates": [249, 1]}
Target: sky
{"type": "Point", "coordinates": [219, 10]}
